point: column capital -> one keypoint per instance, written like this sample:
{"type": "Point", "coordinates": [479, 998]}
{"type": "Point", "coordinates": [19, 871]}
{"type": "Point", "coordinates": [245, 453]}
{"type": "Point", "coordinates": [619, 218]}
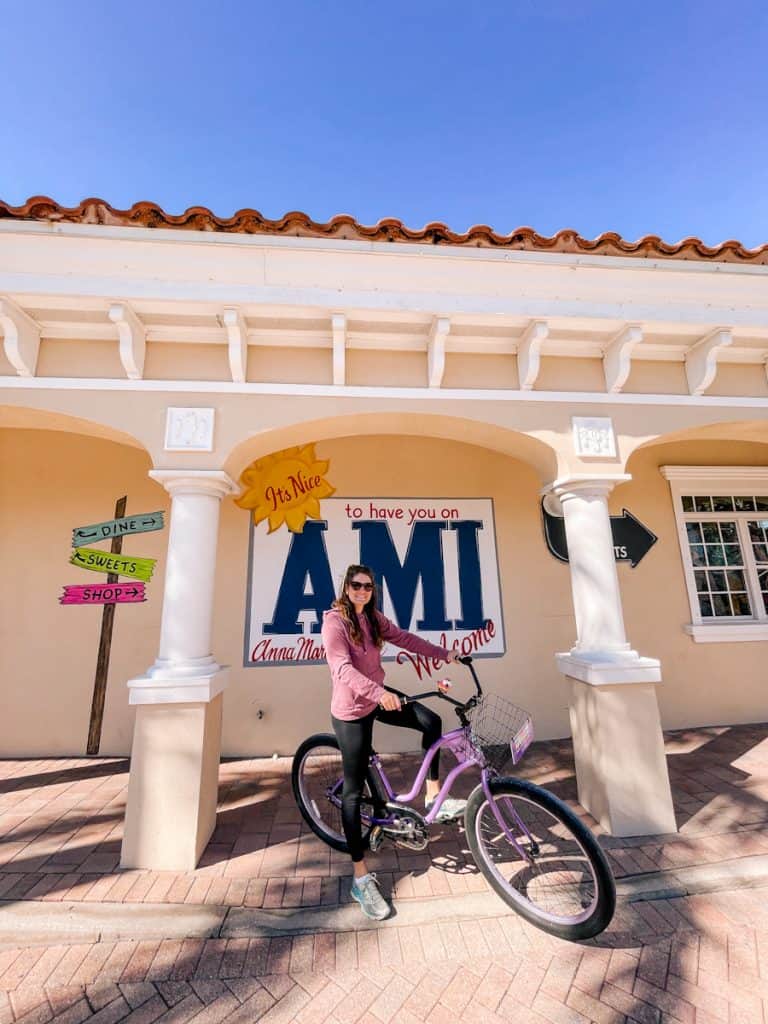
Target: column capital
{"type": "Point", "coordinates": [213, 482]}
{"type": "Point", "coordinates": [585, 485]}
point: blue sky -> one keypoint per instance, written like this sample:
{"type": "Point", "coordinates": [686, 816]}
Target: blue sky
{"type": "Point", "coordinates": [591, 114]}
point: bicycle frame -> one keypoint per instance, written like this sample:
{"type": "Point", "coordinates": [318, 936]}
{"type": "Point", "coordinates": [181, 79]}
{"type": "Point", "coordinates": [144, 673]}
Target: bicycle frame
{"type": "Point", "coordinates": [456, 741]}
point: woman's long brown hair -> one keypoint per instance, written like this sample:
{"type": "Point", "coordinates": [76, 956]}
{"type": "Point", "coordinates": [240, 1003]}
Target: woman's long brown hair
{"type": "Point", "coordinates": [347, 610]}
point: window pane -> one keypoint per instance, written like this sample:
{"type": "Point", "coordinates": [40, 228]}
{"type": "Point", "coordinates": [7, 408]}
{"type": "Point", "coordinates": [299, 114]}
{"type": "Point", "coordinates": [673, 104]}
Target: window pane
{"type": "Point", "coordinates": [721, 605]}
{"type": "Point", "coordinates": [687, 503]}
{"type": "Point", "coordinates": [697, 554]}
{"type": "Point", "coordinates": [705, 606]}
{"type": "Point", "coordinates": [711, 533]}
{"type": "Point", "coordinates": [703, 504]}
{"type": "Point", "coordinates": [701, 582]}
{"type": "Point", "coordinates": [715, 554]}
{"type": "Point", "coordinates": [733, 554]}
{"type": "Point", "coordinates": [741, 605]}
{"type": "Point", "coordinates": [717, 581]}
{"type": "Point", "coordinates": [694, 533]}
{"type": "Point", "coordinates": [729, 533]}
{"type": "Point", "coordinates": [744, 504]}
{"type": "Point", "coordinates": [760, 552]}
{"type": "Point", "coordinates": [735, 580]}
{"type": "Point", "coordinates": [762, 503]}
{"type": "Point", "coordinates": [756, 531]}
{"type": "Point", "coordinates": [722, 503]}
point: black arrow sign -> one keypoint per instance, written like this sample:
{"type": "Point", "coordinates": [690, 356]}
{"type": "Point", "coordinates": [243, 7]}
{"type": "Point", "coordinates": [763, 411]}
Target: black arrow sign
{"type": "Point", "coordinates": [631, 539]}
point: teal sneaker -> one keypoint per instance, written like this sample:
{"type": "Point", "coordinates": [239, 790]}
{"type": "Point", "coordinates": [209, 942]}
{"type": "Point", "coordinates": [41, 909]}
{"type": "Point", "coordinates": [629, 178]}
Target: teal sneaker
{"type": "Point", "coordinates": [368, 895]}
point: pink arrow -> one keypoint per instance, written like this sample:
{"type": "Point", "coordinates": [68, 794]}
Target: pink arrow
{"type": "Point", "coordinates": [104, 593]}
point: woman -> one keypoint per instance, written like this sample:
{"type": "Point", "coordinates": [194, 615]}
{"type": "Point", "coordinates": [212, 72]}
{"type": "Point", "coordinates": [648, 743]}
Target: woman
{"type": "Point", "coordinates": [354, 632]}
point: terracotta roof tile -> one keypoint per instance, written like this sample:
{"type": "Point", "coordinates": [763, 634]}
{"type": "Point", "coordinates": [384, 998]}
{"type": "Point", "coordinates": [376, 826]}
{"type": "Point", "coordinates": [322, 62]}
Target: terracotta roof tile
{"type": "Point", "coordinates": [297, 224]}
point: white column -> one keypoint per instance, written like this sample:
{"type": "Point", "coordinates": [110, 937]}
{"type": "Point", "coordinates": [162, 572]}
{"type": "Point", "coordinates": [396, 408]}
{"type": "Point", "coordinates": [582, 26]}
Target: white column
{"type": "Point", "coordinates": [594, 580]}
{"type": "Point", "coordinates": [172, 789]}
{"type": "Point", "coordinates": [618, 744]}
{"type": "Point", "coordinates": [185, 668]}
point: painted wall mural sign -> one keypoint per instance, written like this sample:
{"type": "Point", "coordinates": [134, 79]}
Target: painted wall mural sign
{"type": "Point", "coordinates": [121, 565]}
{"type": "Point", "coordinates": [436, 567]}
{"type": "Point", "coordinates": [632, 540]}
{"type": "Point", "coordinates": [285, 487]}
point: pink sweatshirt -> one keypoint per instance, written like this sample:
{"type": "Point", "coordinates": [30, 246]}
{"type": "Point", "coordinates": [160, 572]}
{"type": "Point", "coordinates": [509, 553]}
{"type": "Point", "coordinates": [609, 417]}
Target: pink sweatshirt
{"type": "Point", "coordinates": [356, 669]}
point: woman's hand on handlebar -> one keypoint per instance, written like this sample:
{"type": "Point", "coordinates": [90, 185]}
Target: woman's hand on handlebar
{"type": "Point", "coordinates": [390, 701]}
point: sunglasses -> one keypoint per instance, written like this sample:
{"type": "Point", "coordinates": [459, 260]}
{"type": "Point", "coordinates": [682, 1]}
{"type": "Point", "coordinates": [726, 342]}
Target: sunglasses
{"type": "Point", "coordinates": [356, 585]}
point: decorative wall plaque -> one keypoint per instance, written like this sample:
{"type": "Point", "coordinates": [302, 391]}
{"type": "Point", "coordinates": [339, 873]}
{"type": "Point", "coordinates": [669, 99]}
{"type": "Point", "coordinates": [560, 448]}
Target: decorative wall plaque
{"type": "Point", "coordinates": [189, 430]}
{"type": "Point", "coordinates": [593, 437]}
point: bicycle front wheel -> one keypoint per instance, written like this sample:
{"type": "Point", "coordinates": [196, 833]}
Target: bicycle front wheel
{"type": "Point", "coordinates": [562, 882]}
{"type": "Point", "coordinates": [317, 777]}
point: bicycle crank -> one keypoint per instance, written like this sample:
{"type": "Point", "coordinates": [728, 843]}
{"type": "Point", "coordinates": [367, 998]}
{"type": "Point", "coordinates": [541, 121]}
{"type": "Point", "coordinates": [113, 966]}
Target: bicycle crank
{"type": "Point", "coordinates": [408, 829]}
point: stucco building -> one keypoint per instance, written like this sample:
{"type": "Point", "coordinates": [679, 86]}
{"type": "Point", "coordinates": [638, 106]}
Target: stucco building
{"type": "Point", "coordinates": [479, 407]}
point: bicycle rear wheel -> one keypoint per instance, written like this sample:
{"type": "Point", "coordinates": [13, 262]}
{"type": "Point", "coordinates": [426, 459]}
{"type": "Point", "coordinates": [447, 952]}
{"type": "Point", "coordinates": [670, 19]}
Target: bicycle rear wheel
{"type": "Point", "coordinates": [564, 885]}
{"type": "Point", "coordinates": [317, 777]}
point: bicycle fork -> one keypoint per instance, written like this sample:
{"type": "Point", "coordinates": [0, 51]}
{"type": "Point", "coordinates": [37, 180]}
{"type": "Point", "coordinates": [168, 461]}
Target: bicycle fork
{"type": "Point", "coordinates": [534, 848]}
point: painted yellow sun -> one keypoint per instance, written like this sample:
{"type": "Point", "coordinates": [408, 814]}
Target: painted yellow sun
{"type": "Point", "coordinates": [285, 487]}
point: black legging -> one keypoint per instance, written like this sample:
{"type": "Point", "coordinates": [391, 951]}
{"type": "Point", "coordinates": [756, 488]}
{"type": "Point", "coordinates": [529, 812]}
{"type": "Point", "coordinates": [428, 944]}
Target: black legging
{"type": "Point", "coordinates": [355, 742]}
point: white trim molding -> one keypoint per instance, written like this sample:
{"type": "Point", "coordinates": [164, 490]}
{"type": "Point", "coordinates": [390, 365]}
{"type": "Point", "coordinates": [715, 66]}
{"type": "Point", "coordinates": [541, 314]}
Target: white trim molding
{"type": "Point", "coordinates": [237, 342]}
{"type": "Point", "coordinates": [726, 480]}
{"type": "Point", "coordinates": [339, 332]}
{"type": "Point", "coordinates": [21, 338]}
{"type": "Point", "coordinates": [617, 360]}
{"type": "Point", "coordinates": [529, 353]}
{"type": "Point", "coordinates": [438, 332]}
{"type": "Point", "coordinates": [133, 339]}
{"type": "Point", "coordinates": [726, 633]}
{"type": "Point", "coordinates": [701, 360]}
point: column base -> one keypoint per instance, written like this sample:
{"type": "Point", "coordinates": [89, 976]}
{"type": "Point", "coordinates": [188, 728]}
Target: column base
{"type": "Point", "coordinates": [173, 784]}
{"type": "Point", "coordinates": [621, 767]}
{"type": "Point", "coordinates": [179, 683]}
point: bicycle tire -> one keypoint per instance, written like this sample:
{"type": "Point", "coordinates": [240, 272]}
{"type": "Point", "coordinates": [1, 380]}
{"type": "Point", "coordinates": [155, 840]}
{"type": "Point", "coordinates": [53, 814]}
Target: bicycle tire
{"type": "Point", "coordinates": [329, 831]}
{"type": "Point", "coordinates": [480, 820]}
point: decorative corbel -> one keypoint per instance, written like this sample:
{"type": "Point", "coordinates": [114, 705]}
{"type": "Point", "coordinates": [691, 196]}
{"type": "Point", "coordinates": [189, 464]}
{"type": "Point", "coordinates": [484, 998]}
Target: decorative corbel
{"type": "Point", "coordinates": [339, 331]}
{"type": "Point", "coordinates": [617, 360]}
{"type": "Point", "coordinates": [21, 338]}
{"type": "Point", "coordinates": [237, 342]}
{"type": "Point", "coordinates": [133, 339]}
{"type": "Point", "coordinates": [701, 359]}
{"type": "Point", "coordinates": [438, 332]}
{"type": "Point", "coordinates": [529, 353]}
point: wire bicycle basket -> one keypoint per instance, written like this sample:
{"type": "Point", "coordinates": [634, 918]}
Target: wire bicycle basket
{"type": "Point", "coordinates": [501, 730]}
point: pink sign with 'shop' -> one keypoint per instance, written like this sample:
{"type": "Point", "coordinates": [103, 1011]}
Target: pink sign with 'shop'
{"type": "Point", "coordinates": [104, 593]}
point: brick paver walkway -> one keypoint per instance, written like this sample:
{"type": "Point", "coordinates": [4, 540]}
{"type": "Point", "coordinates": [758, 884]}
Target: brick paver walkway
{"type": "Point", "coordinates": [61, 828]}
{"type": "Point", "coordinates": [695, 960]}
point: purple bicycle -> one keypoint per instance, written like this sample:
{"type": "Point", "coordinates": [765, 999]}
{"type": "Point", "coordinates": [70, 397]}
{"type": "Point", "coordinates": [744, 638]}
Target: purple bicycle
{"type": "Point", "coordinates": [535, 853]}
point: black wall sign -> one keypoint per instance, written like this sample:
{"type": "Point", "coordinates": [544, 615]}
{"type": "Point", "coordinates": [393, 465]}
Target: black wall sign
{"type": "Point", "coordinates": [631, 539]}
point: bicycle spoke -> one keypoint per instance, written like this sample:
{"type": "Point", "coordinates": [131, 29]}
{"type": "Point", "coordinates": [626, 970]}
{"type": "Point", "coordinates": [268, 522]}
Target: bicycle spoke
{"type": "Point", "coordinates": [558, 879]}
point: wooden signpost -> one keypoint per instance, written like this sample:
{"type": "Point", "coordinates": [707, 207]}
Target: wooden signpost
{"type": "Point", "coordinates": [114, 565]}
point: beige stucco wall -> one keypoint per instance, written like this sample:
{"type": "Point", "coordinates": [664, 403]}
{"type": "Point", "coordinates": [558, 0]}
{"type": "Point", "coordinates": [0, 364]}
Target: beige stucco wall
{"type": "Point", "coordinates": [703, 683]}
{"type": "Point", "coordinates": [54, 480]}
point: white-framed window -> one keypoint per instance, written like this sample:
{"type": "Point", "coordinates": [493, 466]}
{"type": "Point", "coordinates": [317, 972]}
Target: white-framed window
{"type": "Point", "coordinates": [722, 524]}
